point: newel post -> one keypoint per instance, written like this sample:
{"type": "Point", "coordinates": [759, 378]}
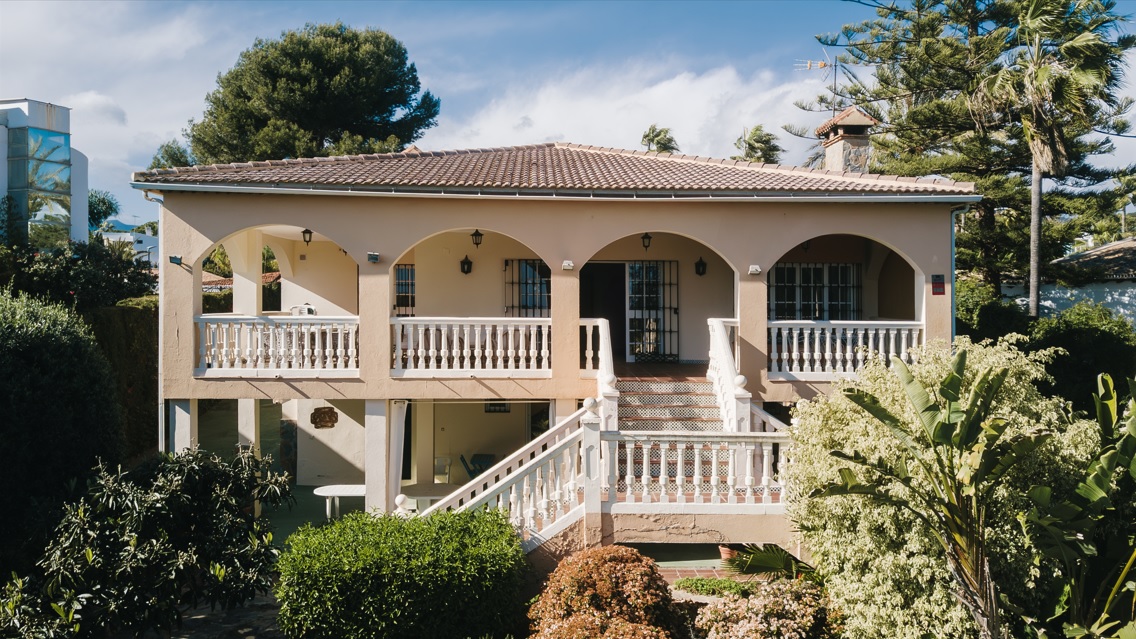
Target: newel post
{"type": "Point", "coordinates": [742, 399]}
{"type": "Point", "coordinates": [593, 473]}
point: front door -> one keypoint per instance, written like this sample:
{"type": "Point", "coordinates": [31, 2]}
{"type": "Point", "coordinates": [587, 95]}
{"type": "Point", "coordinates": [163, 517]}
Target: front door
{"type": "Point", "coordinates": [652, 311]}
{"type": "Point", "coordinates": [602, 295]}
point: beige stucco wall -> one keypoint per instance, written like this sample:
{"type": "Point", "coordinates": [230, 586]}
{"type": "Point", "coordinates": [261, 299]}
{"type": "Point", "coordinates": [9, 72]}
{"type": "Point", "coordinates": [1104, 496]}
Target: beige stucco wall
{"type": "Point", "coordinates": [329, 455]}
{"type": "Point", "coordinates": [734, 234]}
{"type": "Point", "coordinates": [466, 429]}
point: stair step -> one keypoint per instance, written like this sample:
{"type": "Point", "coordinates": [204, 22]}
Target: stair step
{"type": "Point", "coordinates": [671, 424]}
{"type": "Point", "coordinates": [658, 398]}
{"type": "Point", "coordinates": [641, 386]}
{"type": "Point", "coordinates": [679, 411]}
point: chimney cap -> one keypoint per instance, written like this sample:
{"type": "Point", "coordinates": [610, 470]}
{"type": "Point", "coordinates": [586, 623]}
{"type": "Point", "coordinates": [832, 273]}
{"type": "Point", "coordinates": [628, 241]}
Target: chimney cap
{"type": "Point", "coordinates": [852, 116]}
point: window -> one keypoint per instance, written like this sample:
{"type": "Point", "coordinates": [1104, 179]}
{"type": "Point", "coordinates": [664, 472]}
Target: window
{"type": "Point", "coordinates": [404, 290]}
{"type": "Point", "coordinates": [815, 291]}
{"type": "Point", "coordinates": [528, 288]}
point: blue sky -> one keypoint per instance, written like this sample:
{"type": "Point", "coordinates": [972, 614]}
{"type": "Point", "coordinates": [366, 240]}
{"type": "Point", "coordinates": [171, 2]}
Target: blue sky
{"type": "Point", "coordinates": [507, 73]}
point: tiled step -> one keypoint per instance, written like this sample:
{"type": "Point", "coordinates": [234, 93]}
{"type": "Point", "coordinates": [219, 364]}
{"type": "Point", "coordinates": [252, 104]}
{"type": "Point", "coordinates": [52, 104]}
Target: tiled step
{"type": "Point", "coordinates": [670, 424]}
{"type": "Point", "coordinates": [663, 386]}
{"type": "Point", "coordinates": [673, 411]}
{"type": "Point", "coordinates": [653, 399]}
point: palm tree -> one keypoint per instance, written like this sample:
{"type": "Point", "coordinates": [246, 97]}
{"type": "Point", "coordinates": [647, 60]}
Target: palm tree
{"type": "Point", "coordinates": [1061, 78]}
{"type": "Point", "coordinates": [757, 145]}
{"type": "Point", "coordinates": [659, 139]}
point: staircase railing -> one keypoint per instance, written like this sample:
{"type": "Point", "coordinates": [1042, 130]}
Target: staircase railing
{"type": "Point", "coordinates": [729, 387]}
{"type": "Point", "coordinates": [516, 466]}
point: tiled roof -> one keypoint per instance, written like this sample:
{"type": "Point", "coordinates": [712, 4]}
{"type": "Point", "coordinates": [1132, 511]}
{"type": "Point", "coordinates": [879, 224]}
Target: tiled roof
{"type": "Point", "coordinates": [548, 168]}
{"type": "Point", "coordinates": [213, 280]}
{"type": "Point", "coordinates": [1112, 261]}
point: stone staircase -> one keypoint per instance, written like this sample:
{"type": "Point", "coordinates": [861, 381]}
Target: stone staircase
{"type": "Point", "coordinates": [658, 404]}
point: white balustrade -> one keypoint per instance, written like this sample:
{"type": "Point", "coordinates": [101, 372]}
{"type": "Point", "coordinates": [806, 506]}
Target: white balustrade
{"type": "Point", "coordinates": [805, 350]}
{"type": "Point", "coordinates": [576, 468]}
{"type": "Point", "coordinates": [656, 471]}
{"type": "Point", "coordinates": [722, 371]}
{"type": "Point", "coordinates": [471, 347]}
{"type": "Point", "coordinates": [245, 346]}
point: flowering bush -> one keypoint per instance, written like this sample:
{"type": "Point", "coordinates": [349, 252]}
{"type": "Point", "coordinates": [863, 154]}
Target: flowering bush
{"type": "Point", "coordinates": [882, 566]}
{"type": "Point", "coordinates": [606, 588]}
{"type": "Point", "coordinates": [786, 609]}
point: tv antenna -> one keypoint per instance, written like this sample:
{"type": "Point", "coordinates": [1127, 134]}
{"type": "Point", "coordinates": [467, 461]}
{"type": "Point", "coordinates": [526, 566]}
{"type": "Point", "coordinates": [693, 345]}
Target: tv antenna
{"type": "Point", "coordinates": [828, 66]}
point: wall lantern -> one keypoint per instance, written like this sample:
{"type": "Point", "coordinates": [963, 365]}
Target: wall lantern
{"type": "Point", "coordinates": [175, 260]}
{"type": "Point", "coordinates": [466, 265]}
{"type": "Point", "coordinates": [307, 235]}
{"type": "Point", "coordinates": [373, 258]}
{"type": "Point", "coordinates": [477, 236]}
{"type": "Point", "coordinates": [324, 417]}
{"type": "Point", "coordinates": [646, 241]}
{"type": "Point", "coordinates": [700, 267]}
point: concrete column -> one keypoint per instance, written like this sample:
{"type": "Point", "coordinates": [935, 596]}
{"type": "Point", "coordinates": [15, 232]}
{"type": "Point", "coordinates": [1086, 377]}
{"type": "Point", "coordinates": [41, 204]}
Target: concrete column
{"type": "Point", "coordinates": [397, 444]}
{"type": "Point", "coordinates": [561, 407]}
{"type": "Point", "coordinates": [377, 428]}
{"type": "Point", "coordinates": [374, 320]}
{"type": "Point", "coordinates": [244, 252]}
{"type": "Point", "coordinates": [182, 425]}
{"type": "Point", "coordinates": [424, 442]}
{"type": "Point", "coordinates": [590, 453]}
{"type": "Point", "coordinates": [565, 314]}
{"type": "Point", "coordinates": [753, 325]}
{"type": "Point", "coordinates": [248, 424]}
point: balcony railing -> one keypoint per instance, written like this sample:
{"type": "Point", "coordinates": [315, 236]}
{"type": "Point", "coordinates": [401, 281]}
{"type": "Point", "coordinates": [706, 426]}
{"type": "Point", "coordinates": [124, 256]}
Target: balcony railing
{"type": "Point", "coordinates": [246, 346]}
{"type": "Point", "coordinates": [471, 347]}
{"type": "Point", "coordinates": [820, 351]}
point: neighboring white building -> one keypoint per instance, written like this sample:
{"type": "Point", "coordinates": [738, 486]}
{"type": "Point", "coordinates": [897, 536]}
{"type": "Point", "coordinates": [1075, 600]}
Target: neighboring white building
{"type": "Point", "coordinates": [45, 178]}
{"type": "Point", "coordinates": [145, 245]}
{"type": "Point", "coordinates": [1110, 272]}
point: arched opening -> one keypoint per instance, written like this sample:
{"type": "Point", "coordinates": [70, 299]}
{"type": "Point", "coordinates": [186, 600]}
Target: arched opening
{"type": "Point", "coordinates": [656, 290]}
{"type": "Point", "coordinates": [836, 300]}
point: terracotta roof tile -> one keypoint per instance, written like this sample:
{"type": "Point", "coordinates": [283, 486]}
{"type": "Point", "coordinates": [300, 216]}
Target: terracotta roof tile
{"type": "Point", "coordinates": [1112, 261]}
{"type": "Point", "coordinates": [559, 167]}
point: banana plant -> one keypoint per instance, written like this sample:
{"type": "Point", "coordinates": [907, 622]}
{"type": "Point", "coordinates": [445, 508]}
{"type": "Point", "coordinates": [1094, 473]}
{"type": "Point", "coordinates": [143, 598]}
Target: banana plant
{"type": "Point", "coordinates": [951, 459]}
{"type": "Point", "coordinates": [1090, 534]}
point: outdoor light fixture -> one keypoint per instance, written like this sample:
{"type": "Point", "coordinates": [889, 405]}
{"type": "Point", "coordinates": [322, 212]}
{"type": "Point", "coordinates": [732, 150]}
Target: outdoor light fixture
{"type": "Point", "coordinates": [700, 267]}
{"type": "Point", "coordinates": [477, 235]}
{"type": "Point", "coordinates": [175, 260]}
{"type": "Point", "coordinates": [373, 258]}
{"type": "Point", "coordinates": [307, 235]}
{"type": "Point", "coordinates": [466, 265]}
{"type": "Point", "coordinates": [754, 269]}
{"type": "Point", "coordinates": [646, 241]}
{"type": "Point", "coordinates": [567, 265]}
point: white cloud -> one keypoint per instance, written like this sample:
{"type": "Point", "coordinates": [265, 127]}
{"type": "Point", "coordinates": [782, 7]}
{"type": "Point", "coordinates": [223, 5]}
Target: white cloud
{"type": "Point", "coordinates": [96, 107]}
{"type": "Point", "coordinates": [612, 106]}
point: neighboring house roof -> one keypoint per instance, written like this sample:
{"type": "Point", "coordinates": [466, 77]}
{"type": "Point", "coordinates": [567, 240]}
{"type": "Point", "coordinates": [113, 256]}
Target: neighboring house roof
{"type": "Point", "coordinates": [212, 280]}
{"type": "Point", "coordinates": [545, 170]}
{"type": "Point", "coordinates": [1112, 261]}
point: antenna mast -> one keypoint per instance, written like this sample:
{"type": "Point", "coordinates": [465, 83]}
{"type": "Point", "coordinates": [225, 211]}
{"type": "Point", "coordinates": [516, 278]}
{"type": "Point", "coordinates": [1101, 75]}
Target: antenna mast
{"type": "Point", "coordinates": [829, 65]}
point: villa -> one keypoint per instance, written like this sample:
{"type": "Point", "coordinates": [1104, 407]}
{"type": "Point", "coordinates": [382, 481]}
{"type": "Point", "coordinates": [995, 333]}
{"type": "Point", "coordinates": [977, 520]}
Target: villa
{"type": "Point", "coordinates": [602, 342]}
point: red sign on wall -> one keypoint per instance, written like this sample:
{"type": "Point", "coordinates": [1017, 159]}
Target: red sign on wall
{"type": "Point", "coordinates": [938, 285]}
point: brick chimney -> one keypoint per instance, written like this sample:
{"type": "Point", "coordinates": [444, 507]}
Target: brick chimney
{"type": "Point", "coordinates": [845, 140]}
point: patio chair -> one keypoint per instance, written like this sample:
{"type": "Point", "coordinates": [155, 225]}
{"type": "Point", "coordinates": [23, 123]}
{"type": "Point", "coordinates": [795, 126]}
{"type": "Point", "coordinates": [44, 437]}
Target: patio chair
{"type": "Point", "coordinates": [442, 470]}
{"type": "Point", "coordinates": [468, 469]}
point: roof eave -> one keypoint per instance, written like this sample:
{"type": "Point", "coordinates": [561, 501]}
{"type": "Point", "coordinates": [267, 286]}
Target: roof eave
{"type": "Point", "coordinates": [545, 194]}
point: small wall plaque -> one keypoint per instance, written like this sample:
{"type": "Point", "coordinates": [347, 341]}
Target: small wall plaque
{"type": "Point", "coordinates": [938, 285]}
{"type": "Point", "coordinates": [324, 417]}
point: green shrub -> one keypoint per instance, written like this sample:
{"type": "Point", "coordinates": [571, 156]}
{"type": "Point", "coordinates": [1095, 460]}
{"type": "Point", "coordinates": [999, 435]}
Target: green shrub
{"type": "Point", "coordinates": [714, 587]}
{"type": "Point", "coordinates": [1093, 341]}
{"type": "Point", "coordinates": [127, 334]}
{"type": "Point", "coordinates": [608, 583]}
{"type": "Point", "coordinates": [786, 608]}
{"type": "Point", "coordinates": [219, 302]}
{"type": "Point", "coordinates": [882, 566]}
{"type": "Point", "coordinates": [141, 546]}
{"type": "Point", "coordinates": [447, 575]}
{"type": "Point", "coordinates": [77, 275]}
{"type": "Point", "coordinates": [60, 418]}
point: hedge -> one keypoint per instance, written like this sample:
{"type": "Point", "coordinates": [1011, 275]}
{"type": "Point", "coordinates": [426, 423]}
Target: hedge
{"type": "Point", "coordinates": [447, 575]}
